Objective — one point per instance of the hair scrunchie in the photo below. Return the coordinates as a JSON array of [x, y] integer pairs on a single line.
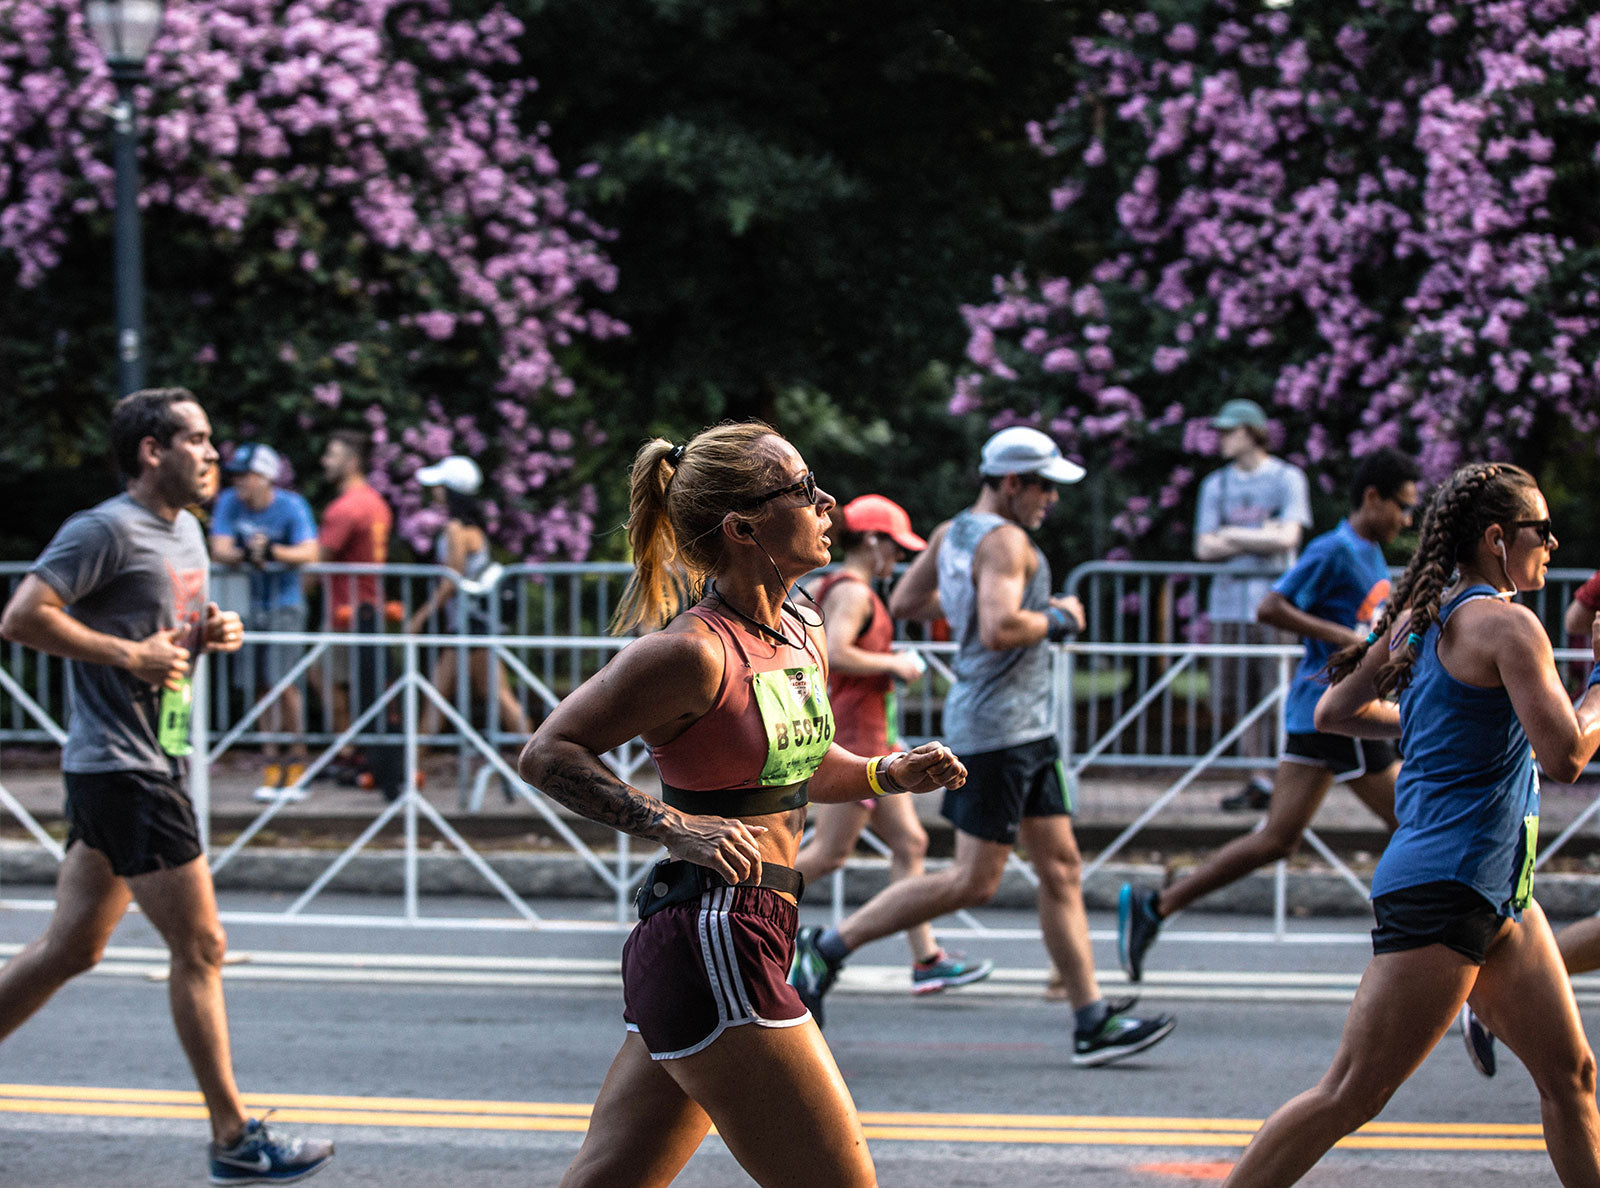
[[1414, 639], [1372, 638], [675, 455]]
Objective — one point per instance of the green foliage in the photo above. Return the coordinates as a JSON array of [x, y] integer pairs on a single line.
[[804, 196]]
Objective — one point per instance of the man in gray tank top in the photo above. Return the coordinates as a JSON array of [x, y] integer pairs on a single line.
[[121, 593], [982, 573]]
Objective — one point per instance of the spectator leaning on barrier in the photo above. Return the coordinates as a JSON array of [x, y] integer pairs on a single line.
[[271, 530], [463, 545], [1252, 513]]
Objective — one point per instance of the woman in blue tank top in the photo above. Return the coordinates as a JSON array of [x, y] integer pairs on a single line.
[[1478, 697]]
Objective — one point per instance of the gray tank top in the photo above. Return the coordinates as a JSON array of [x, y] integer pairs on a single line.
[[1000, 699]]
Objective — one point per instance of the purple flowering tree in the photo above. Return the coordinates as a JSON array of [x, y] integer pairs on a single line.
[[351, 217], [1375, 217]]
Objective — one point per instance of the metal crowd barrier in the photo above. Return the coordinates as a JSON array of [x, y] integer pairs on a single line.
[[559, 613]]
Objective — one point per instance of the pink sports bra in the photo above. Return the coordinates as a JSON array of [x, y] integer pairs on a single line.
[[754, 750]]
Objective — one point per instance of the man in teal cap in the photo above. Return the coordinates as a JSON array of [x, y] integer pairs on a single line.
[[1252, 515]]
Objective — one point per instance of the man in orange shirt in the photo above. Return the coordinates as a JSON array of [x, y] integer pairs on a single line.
[[355, 531]]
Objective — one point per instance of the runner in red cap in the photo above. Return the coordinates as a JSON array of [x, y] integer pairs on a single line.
[[863, 670]]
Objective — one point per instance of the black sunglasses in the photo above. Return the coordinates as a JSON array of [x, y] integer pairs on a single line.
[[807, 484], [1542, 527], [1406, 509]]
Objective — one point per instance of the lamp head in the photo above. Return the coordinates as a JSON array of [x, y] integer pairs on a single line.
[[124, 29]]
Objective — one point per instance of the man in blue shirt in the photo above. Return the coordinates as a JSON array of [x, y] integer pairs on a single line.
[[1330, 598], [258, 524]]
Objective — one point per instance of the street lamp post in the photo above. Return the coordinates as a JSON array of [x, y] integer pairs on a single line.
[[124, 29]]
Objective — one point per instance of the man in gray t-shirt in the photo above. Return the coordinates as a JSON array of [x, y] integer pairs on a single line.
[[1252, 513], [1251, 517], [120, 593], [982, 573]]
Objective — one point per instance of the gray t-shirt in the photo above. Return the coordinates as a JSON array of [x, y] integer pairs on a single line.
[[123, 570], [1000, 699], [1275, 490]]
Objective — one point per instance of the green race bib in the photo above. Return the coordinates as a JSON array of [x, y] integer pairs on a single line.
[[798, 720], [1530, 843]]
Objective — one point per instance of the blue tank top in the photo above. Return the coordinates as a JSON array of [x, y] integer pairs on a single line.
[[1467, 798]]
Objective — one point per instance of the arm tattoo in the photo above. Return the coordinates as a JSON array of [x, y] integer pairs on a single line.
[[590, 790]]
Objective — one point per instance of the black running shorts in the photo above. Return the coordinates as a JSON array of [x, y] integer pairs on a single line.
[[1005, 786], [140, 821], [1442, 913], [1347, 758]]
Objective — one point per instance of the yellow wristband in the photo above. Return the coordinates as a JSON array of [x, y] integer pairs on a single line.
[[872, 775]]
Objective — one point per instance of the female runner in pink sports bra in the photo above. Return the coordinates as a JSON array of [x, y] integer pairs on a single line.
[[731, 697]]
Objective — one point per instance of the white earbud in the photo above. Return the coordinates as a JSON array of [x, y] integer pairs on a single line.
[[1505, 565]]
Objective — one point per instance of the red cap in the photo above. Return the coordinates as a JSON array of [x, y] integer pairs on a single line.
[[875, 513]]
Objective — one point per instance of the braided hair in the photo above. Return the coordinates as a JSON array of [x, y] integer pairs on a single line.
[[1473, 499]]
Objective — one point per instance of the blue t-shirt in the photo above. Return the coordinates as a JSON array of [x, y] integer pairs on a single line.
[[1467, 798], [1343, 578], [287, 520]]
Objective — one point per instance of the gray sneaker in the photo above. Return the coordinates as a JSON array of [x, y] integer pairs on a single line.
[[260, 1157]]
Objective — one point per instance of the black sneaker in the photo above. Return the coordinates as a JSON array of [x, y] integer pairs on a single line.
[[1137, 926], [1252, 798], [259, 1157], [1119, 1037], [810, 973], [1479, 1041]]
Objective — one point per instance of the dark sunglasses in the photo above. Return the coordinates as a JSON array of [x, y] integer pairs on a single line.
[[1542, 527], [807, 484], [1406, 509]]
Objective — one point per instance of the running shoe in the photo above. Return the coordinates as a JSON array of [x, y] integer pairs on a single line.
[[811, 974], [1138, 924], [260, 1157], [1479, 1041], [1119, 1037], [1253, 797], [947, 970]]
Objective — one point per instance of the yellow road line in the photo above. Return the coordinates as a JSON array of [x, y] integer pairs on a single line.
[[568, 1117]]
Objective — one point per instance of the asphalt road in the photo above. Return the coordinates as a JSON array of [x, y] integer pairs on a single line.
[[470, 1056]]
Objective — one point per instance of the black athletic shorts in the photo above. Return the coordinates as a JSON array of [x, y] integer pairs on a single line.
[[140, 821], [1005, 786], [1347, 758], [1442, 913]]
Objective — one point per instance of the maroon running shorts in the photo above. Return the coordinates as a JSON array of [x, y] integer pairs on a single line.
[[693, 970]]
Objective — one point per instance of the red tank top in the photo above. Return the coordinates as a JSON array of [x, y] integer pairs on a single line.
[[860, 703], [760, 733]]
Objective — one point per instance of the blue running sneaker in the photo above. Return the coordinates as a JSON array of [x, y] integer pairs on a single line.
[[259, 1157], [946, 970], [1137, 927], [1119, 1037], [1479, 1041], [810, 973]]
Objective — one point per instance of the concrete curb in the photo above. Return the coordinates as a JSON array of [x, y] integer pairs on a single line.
[[566, 876]]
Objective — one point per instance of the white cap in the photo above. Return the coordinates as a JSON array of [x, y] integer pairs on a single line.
[[1020, 450], [454, 473], [255, 457]]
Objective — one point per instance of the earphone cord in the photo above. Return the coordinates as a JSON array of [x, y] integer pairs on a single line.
[[1505, 568], [754, 622]]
